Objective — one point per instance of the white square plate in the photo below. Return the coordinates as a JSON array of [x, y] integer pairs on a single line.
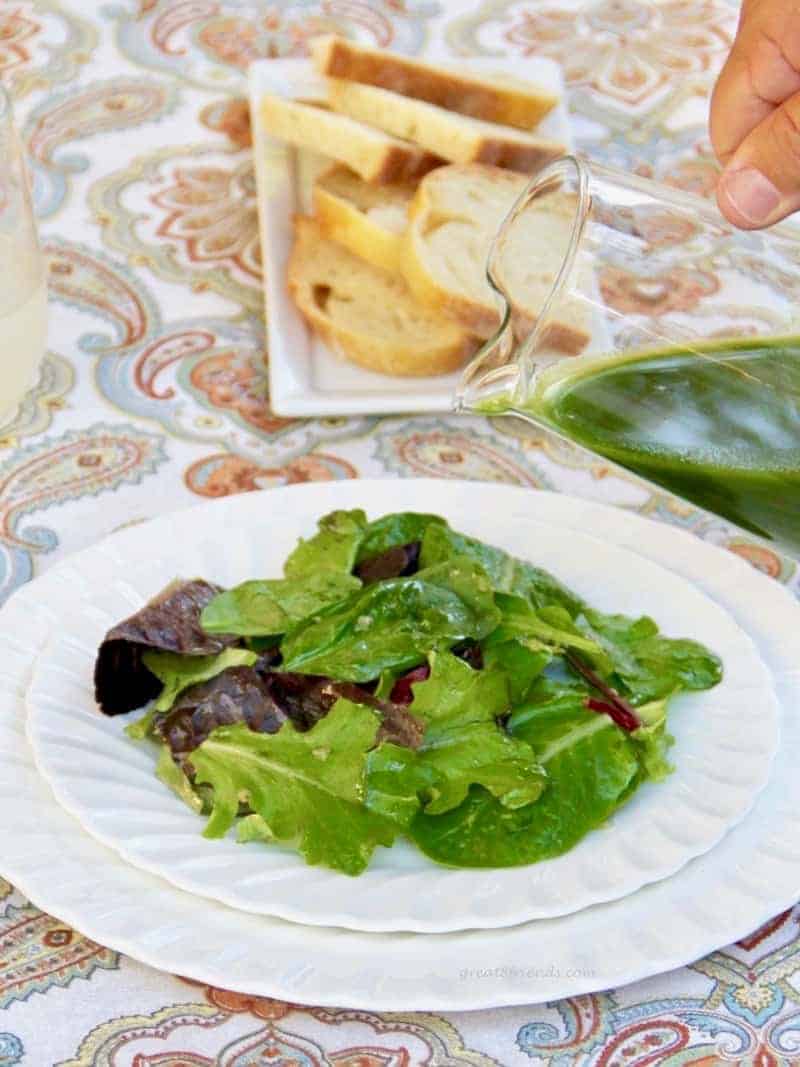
[[306, 377]]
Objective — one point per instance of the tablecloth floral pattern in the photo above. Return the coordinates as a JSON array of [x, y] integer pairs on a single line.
[[153, 395]]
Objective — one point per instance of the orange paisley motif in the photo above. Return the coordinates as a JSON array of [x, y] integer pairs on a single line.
[[681, 289], [236, 384], [224, 474]]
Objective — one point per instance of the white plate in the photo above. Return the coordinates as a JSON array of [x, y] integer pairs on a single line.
[[722, 752], [305, 377], [750, 876]]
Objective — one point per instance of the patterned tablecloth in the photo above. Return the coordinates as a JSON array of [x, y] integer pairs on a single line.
[[152, 397]]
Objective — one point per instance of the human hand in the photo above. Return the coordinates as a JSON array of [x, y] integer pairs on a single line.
[[755, 116]]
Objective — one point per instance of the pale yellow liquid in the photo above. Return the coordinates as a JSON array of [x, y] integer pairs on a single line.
[[23, 324]]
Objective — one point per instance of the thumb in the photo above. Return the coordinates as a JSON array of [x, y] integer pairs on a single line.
[[761, 182]]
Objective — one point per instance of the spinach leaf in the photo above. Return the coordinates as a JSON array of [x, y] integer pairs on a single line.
[[333, 548], [391, 531], [178, 672], [645, 664], [591, 768], [506, 573], [308, 788], [393, 625], [270, 607], [546, 629]]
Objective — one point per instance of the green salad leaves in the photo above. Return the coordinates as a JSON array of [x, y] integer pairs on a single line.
[[405, 679]]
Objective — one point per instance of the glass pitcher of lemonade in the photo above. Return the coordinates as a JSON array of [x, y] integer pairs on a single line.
[[687, 333], [23, 297]]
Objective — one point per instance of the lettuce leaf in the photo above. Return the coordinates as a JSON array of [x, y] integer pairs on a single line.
[[646, 665], [653, 741], [168, 772], [333, 549], [520, 664], [178, 672], [393, 625], [506, 573], [270, 607], [308, 788], [463, 744]]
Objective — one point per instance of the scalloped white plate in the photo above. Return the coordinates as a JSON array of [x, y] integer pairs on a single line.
[[753, 874], [722, 754]]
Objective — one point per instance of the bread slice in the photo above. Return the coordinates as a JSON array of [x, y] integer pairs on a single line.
[[369, 220], [455, 215], [368, 315], [372, 154], [495, 99], [442, 132]]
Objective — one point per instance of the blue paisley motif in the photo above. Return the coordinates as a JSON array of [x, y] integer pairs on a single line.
[[786, 1037], [11, 1050], [715, 1025]]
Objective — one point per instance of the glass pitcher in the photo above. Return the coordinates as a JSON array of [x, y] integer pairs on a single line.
[[669, 342]]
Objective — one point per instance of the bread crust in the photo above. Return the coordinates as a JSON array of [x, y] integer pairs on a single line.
[[477, 97], [481, 317], [373, 155]]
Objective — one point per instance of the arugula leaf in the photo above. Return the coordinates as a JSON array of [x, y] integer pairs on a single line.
[[269, 608], [168, 771], [647, 665], [333, 548], [591, 768], [463, 744], [393, 625], [307, 787], [178, 672], [391, 531], [506, 573]]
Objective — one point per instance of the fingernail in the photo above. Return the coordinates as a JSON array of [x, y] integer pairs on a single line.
[[751, 193]]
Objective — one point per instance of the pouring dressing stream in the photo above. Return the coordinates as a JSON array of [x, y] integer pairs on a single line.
[[691, 376]]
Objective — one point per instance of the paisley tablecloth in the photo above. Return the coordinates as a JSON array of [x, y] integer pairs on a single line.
[[153, 396]]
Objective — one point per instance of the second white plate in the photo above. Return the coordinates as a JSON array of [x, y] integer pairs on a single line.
[[752, 875], [722, 753]]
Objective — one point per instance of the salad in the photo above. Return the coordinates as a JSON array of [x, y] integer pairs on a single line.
[[400, 680]]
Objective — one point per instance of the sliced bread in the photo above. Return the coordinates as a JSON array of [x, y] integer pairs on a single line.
[[372, 154], [368, 315], [444, 133], [495, 99], [369, 220], [455, 215]]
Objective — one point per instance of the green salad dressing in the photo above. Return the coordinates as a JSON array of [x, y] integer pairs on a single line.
[[719, 426]]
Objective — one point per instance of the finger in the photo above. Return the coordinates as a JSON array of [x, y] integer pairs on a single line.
[[762, 70], [761, 183]]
